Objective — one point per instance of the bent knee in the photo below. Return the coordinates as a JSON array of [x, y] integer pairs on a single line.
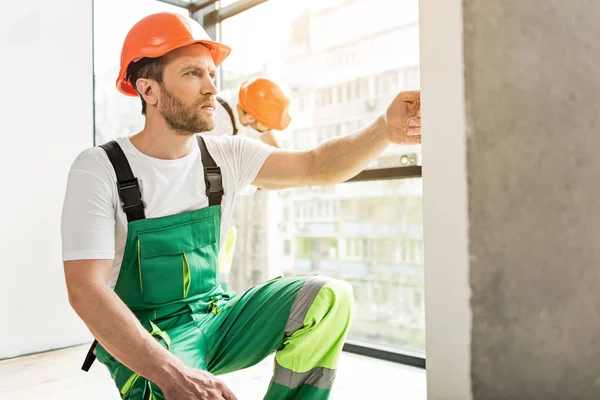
[[338, 294]]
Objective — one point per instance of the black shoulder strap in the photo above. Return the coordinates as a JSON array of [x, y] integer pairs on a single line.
[[127, 184], [131, 197], [212, 175], [230, 112]]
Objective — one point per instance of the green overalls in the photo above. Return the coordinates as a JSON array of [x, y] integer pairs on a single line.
[[169, 279]]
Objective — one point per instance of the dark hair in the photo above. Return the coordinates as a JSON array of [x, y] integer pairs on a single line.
[[147, 68]]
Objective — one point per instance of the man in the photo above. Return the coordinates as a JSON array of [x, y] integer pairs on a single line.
[[143, 218], [256, 110]]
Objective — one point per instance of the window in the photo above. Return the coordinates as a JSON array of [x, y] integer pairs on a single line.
[[382, 87], [340, 94], [367, 233], [319, 98], [327, 96], [346, 57], [300, 34], [381, 253], [329, 61], [358, 88], [287, 247], [301, 103], [417, 300], [349, 91], [348, 126], [411, 78], [338, 129], [287, 213], [392, 81]]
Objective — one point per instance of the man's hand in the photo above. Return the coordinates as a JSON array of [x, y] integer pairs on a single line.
[[195, 384], [122, 335], [403, 118]]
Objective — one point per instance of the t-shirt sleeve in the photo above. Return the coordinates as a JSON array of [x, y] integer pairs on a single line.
[[245, 156], [88, 217]]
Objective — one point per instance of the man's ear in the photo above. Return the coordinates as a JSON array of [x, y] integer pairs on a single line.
[[148, 89], [251, 119]]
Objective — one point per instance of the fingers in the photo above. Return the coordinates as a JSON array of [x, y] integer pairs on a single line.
[[415, 121], [413, 131], [414, 126], [229, 396], [225, 391], [409, 95]]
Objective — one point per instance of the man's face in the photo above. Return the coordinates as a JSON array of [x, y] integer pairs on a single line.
[[248, 120], [187, 94]]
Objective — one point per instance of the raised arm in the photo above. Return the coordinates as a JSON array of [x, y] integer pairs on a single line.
[[341, 158]]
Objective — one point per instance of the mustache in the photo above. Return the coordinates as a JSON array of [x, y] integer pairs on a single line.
[[206, 102]]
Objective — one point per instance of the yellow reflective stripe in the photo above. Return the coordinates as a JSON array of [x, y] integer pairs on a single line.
[[139, 265], [156, 331], [129, 383], [152, 395], [187, 276], [330, 311], [319, 377], [228, 250]]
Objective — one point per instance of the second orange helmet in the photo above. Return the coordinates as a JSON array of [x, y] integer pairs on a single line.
[[266, 102]]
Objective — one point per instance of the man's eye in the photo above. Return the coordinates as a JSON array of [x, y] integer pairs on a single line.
[[192, 73]]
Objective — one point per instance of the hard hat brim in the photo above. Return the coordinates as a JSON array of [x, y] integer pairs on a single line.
[[218, 51]]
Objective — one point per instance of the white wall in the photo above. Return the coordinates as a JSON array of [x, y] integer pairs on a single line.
[[46, 116], [447, 310]]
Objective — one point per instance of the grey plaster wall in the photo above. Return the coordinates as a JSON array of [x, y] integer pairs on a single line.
[[532, 88]]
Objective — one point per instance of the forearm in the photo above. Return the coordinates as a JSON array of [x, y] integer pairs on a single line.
[[341, 158], [121, 334]]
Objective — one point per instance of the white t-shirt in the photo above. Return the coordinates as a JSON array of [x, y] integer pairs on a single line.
[[94, 225], [223, 124]]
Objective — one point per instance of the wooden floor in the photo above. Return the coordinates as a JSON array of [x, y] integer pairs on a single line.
[[56, 375]]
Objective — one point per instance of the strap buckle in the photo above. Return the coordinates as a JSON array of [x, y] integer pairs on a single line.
[[130, 194], [213, 180]]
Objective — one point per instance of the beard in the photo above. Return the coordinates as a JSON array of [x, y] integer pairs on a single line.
[[183, 119]]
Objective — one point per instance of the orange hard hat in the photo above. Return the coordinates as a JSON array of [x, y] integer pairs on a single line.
[[266, 102], [156, 35]]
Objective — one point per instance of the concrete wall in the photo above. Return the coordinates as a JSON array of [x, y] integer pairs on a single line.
[[532, 85], [46, 110], [447, 311], [531, 98]]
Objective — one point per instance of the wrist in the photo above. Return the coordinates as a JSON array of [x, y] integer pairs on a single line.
[[381, 128], [169, 373]]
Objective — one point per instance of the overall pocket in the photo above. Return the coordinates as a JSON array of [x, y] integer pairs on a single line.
[[178, 261]]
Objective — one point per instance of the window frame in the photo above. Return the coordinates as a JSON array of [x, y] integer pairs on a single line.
[[210, 15]]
